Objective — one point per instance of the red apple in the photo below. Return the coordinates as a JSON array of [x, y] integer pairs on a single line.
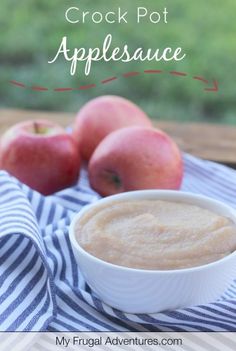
[[135, 158], [103, 115], [40, 154]]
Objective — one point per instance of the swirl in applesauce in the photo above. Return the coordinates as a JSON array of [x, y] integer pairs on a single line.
[[155, 234]]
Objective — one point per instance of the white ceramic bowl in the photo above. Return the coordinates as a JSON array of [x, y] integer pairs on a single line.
[[149, 291]]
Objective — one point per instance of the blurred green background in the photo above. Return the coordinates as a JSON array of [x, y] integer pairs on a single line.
[[31, 31]]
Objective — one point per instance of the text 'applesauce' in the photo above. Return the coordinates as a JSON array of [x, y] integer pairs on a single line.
[[155, 234]]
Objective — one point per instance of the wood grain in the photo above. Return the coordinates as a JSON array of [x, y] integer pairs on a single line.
[[209, 141]]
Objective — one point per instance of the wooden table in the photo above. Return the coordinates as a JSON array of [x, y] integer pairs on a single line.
[[209, 141]]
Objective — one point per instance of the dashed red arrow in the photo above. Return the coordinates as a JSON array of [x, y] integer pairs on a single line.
[[214, 88]]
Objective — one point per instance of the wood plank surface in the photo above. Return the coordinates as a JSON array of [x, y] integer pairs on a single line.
[[209, 141]]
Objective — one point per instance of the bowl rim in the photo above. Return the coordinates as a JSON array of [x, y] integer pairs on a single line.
[[176, 195]]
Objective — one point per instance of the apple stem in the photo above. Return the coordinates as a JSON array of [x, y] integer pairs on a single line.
[[36, 128], [115, 179]]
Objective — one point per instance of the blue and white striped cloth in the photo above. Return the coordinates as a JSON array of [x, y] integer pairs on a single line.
[[41, 288]]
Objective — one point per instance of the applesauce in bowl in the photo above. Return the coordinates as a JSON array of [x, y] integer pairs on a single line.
[[156, 234], [154, 250]]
